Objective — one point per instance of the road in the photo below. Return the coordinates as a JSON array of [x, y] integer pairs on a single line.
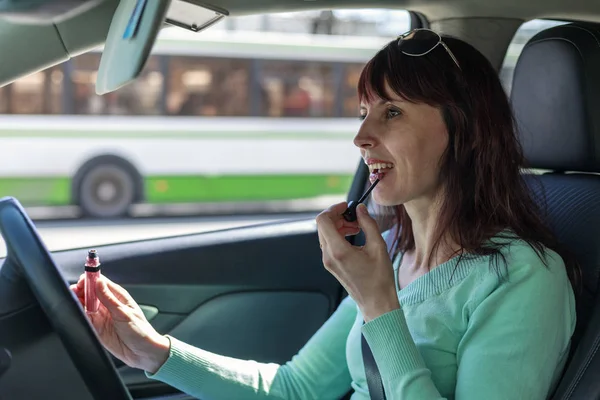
[[68, 234]]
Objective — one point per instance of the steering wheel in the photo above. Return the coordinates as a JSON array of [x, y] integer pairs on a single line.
[[27, 252]]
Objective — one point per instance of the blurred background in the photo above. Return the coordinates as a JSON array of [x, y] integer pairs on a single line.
[[250, 121]]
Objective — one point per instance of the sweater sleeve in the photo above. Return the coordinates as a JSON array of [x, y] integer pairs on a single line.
[[516, 340], [318, 371]]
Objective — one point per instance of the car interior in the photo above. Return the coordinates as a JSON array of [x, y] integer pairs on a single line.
[[260, 292]]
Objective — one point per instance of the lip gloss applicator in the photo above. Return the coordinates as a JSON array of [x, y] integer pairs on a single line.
[[350, 213], [92, 272]]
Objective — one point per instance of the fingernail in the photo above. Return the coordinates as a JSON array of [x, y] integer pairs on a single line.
[[362, 208]]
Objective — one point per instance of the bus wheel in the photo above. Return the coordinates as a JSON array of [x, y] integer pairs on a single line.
[[106, 191]]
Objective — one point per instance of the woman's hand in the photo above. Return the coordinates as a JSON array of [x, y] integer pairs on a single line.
[[122, 327], [365, 272]]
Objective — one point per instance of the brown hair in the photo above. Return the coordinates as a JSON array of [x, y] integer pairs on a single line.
[[485, 193]]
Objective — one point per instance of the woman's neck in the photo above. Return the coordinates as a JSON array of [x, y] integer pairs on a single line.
[[425, 217]]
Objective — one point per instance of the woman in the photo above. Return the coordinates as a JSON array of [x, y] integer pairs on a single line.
[[477, 302]]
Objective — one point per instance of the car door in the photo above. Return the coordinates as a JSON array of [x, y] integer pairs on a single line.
[[257, 292]]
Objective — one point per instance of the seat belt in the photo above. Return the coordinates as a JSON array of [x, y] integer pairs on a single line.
[[374, 382]]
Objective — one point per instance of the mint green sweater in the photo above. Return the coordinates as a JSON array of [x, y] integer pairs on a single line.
[[462, 335]]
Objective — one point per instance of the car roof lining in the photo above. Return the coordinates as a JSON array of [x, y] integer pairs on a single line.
[[28, 48]]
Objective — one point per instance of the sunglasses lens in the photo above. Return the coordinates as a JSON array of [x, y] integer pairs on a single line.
[[419, 42]]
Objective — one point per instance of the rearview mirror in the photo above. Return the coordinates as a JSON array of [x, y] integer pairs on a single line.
[[133, 30]]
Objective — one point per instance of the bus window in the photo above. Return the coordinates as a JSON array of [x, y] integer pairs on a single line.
[[349, 93], [141, 97], [38, 93], [298, 88], [208, 86]]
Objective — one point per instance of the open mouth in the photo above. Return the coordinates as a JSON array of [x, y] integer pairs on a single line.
[[378, 170]]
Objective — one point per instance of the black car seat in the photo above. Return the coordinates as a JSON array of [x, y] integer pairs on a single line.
[[556, 101]]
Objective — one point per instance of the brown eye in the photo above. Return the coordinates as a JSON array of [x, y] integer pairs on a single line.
[[392, 112]]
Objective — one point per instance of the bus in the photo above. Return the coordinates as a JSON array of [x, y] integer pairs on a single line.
[[219, 117]]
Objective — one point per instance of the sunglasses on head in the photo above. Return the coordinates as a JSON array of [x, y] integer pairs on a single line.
[[419, 42]]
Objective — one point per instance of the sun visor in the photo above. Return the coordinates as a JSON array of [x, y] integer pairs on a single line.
[[134, 29]]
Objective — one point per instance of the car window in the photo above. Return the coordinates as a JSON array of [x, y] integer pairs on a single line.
[[254, 116]]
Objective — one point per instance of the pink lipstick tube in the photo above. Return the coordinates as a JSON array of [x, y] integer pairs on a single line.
[[92, 273]]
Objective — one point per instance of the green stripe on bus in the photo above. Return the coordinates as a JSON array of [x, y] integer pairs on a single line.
[[37, 191], [171, 189], [56, 191]]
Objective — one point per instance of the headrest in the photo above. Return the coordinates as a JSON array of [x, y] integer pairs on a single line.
[[556, 98]]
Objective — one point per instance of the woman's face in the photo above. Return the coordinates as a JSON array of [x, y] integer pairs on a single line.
[[402, 144]]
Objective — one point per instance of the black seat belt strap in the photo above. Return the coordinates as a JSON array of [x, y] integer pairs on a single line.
[[374, 382]]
